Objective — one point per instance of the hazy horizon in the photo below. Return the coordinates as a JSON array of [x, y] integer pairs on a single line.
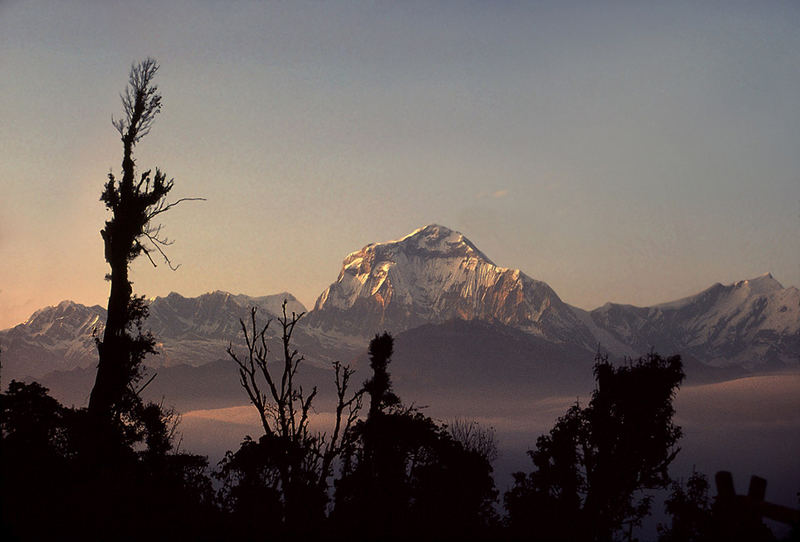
[[624, 153]]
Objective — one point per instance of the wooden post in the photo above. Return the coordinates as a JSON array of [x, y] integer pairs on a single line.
[[734, 508], [724, 480], [757, 490]]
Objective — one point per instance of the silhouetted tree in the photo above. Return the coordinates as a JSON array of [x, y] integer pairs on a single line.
[[597, 459], [407, 477], [379, 386], [134, 204], [34, 474], [288, 469], [546, 504], [51, 488], [689, 509], [108, 472], [474, 437]]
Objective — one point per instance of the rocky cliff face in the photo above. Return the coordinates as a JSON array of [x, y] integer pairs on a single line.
[[434, 275]]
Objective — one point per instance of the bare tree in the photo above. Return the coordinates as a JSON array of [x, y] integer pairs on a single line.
[[474, 437], [130, 232], [284, 407]]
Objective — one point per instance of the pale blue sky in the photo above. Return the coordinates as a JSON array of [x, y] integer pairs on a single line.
[[620, 151]]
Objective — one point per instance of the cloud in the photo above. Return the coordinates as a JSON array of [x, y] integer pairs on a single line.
[[497, 194]]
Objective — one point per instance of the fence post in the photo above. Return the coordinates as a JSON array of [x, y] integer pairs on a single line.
[[740, 517]]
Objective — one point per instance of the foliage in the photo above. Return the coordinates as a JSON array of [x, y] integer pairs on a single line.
[[130, 232], [690, 511], [51, 488], [591, 469], [379, 386], [407, 476]]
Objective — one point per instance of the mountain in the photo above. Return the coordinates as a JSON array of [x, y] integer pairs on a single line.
[[52, 339], [488, 358], [749, 323], [196, 330], [435, 285], [190, 331], [434, 275]]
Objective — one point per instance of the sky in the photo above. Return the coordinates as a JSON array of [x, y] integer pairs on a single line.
[[633, 152]]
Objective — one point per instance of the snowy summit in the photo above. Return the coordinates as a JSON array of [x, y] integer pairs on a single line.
[[432, 275]]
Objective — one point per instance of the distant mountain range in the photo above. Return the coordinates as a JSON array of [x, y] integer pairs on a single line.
[[749, 323], [189, 331], [435, 275], [435, 287]]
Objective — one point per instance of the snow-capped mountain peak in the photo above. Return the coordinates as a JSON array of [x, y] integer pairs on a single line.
[[763, 284], [432, 275], [440, 240], [190, 330], [748, 322], [65, 317]]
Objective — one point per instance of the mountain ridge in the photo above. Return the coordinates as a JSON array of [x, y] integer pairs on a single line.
[[188, 330], [431, 276], [744, 323]]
